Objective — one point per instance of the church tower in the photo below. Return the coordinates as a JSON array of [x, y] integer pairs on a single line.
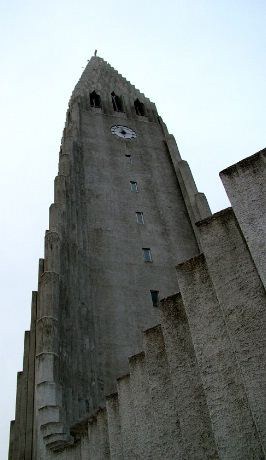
[[124, 213]]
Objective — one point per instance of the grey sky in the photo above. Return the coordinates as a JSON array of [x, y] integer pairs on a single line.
[[202, 63]]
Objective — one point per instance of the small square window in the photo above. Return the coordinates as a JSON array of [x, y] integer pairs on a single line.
[[147, 254], [140, 218], [133, 186], [155, 298]]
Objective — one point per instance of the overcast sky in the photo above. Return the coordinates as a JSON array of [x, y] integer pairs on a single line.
[[201, 62]]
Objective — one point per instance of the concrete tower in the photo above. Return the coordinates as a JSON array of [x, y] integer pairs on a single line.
[[123, 216]]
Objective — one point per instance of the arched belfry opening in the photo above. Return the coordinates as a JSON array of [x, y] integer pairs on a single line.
[[95, 100], [139, 107], [117, 102]]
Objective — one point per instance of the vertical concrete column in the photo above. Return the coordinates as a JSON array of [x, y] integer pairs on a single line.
[[52, 246], [196, 202], [245, 185], [16, 430], [31, 380], [23, 406], [93, 438], [60, 180], [170, 443], [193, 412], [103, 445], [147, 441], [233, 426], [127, 417], [114, 427], [242, 298], [84, 447], [60, 187], [11, 440], [47, 342]]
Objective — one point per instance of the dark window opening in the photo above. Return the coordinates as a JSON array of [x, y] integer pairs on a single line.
[[147, 254], [139, 107], [155, 298], [139, 217], [117, 103], [95, 100], [133, 186]]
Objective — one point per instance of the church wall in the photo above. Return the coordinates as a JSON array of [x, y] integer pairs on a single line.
[[192, 387], [187, 395]]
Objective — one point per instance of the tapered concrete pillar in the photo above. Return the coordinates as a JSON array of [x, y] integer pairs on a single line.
[[193, 412], [170, 444], [23, 405], [84, 447], [16, 431], [11, 440], [103, 444], [52, 252], [145, 423], [245, 185], [127, 417], [114, 427], [93, 437], [234, 429], [31, 380], [242, 298]]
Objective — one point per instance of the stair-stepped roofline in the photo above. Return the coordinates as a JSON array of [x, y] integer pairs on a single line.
[[100, 62]]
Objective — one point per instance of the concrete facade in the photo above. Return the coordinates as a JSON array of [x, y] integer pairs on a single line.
[[194, 384]]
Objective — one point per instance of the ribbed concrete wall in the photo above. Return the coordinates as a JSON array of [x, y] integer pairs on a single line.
[[197, 390]]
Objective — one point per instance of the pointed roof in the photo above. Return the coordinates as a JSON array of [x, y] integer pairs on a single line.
[[99, 75]]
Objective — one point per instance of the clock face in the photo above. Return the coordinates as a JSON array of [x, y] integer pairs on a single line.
[[123, 131]]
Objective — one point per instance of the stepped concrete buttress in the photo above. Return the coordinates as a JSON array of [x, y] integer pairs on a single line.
[[109, 371]]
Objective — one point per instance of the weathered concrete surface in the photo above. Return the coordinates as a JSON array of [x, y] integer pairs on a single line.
[[114, 427], [188, 392], [199, 384], [145, 420], [234, 430], [128, 419], [242, 298], [167, 428], [245, 185], [11, 440]]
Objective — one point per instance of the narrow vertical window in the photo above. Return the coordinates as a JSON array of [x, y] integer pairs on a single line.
[[139, 107], [117, 102], [147, 254], [140, 218], [128, 156], [155, 298], [95, 100], [133, 186]]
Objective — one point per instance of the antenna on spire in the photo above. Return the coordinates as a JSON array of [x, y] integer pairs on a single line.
[[95, 53]]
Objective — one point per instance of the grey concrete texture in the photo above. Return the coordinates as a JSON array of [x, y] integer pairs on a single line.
[[194, 387], [189, 395], [245, 184], [146, 431], [234, 429], [170, 443], [242, 299], [114, 427], [128, 418]]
